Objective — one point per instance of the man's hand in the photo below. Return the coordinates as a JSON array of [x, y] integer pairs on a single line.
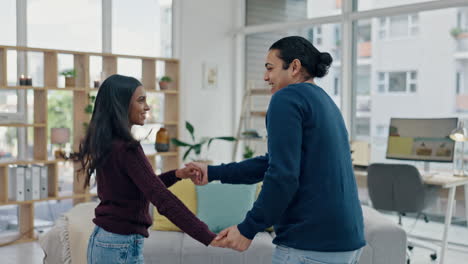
[[218, 243], [203, 177], [232, 238], [191, 172]]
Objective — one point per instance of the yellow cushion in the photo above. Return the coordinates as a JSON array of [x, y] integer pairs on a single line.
[[185, 191]]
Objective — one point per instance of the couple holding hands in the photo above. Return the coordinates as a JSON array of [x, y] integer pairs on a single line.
[[309, 192]]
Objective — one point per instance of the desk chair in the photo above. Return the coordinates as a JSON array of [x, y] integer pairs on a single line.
[[400, 188]]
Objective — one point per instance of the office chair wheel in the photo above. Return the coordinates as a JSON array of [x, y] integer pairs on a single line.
[[410, 248], [434, 256]]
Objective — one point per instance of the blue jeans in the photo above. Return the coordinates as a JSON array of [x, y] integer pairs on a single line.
[[287, 255], [106, 247]]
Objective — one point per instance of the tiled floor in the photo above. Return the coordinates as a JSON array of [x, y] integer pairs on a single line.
[[32, 253]]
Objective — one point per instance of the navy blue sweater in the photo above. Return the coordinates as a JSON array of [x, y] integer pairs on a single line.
[[309, 191]]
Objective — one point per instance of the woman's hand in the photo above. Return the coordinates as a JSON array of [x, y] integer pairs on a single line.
[[191, 172]]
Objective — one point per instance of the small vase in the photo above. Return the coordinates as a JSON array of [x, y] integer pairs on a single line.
[[163, 85], [69, 81], [162, 140]]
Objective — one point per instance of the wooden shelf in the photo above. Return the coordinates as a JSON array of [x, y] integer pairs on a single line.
[[163, 154], [20, 48], [68, 88], [28, 162], [252, 139], [21, 88], [75, 196], [258, 113], [44, 88], [163, 91], [80, 100], [260, 92], [23, 125], [168, 123]]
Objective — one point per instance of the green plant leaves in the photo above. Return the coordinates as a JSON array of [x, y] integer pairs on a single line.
[[180, 143], [190, 129]]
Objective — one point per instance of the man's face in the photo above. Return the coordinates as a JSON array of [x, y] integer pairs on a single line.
[[275, 75]]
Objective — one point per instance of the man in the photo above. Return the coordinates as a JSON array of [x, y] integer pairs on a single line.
[[309, 191]]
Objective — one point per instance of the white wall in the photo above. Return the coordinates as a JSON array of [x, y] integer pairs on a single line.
[[206, 35]]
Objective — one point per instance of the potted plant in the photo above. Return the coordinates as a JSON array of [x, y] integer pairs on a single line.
[[70, 75], [248, 152], [197, 146], [89, 108], [455, 32], [164, 82]]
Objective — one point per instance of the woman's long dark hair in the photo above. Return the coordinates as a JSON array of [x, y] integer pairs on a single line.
[[108, 122]]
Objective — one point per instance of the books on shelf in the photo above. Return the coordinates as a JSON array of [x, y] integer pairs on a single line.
[[16, 183], [27, 182]]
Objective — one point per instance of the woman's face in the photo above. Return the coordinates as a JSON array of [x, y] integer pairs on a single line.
[[138, 107]]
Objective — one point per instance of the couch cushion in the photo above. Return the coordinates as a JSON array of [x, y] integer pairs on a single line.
[[185, 191], [259, 252], [386, 241], [223, 205], [163, 247]]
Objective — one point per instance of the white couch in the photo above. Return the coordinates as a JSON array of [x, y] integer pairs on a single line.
[[386, 244]]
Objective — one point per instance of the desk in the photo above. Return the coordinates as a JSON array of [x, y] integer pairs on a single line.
[[450, 182]]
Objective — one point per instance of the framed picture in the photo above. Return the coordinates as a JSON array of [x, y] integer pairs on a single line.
[[210, 76]]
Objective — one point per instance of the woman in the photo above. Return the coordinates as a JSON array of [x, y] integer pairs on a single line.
[[125, 179]]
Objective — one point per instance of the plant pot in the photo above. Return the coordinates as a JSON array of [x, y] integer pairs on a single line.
[[69, 81], [164, 85]]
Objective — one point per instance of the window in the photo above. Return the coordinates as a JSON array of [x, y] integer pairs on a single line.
[[459, 81], [363, 126], [274, 11], [397, 82], [68, 25], [374, 4], [315, 35], [142, 29], [398, 26], [8, 17], [381, 130]]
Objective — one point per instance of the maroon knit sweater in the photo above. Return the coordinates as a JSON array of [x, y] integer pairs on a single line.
[[126, 184]]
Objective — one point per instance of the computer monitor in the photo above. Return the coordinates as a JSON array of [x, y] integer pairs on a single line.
[[420, 139]]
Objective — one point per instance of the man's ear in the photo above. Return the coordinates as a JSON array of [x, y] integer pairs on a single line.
[[296, 67]]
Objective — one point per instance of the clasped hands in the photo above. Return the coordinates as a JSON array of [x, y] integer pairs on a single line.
[[229, 237]]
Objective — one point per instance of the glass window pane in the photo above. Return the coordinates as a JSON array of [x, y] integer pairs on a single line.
[[8, 221], [8, 102], [46, 213], [363, 126], [398, 26], [397, 81], [142, 29], [8, 143], [68, 25], [375, 4], [8, 22], [60, 115], [129, 67], [406, 66], [274, 11]]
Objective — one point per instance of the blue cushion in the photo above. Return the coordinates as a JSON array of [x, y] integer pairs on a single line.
[[224, 205]]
